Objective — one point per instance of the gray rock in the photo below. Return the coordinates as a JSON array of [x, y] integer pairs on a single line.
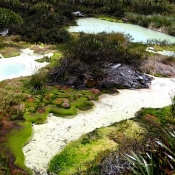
[[125, 76]]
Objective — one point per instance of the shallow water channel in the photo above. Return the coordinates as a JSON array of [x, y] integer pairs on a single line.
[[138, 33]]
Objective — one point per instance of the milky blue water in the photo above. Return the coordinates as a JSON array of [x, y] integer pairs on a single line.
[[138, 33], [22, 65], [13, 68]]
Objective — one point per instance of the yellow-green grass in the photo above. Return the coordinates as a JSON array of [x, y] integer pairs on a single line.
[[78, 153], [108, 18], [168, 47], [10, 52], [16, 139]]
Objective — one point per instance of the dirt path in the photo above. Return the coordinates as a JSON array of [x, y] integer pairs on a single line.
[[51, 137]]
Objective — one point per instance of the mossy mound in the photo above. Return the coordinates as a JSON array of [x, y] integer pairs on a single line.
[[48, 98], [82, 103], [57, 101], [38, 117], [61, 101], [58, 111], [78, 153]]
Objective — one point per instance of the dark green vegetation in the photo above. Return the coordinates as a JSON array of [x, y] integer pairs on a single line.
[[143, 145], [8, 18], [44, 21], [87, 56]]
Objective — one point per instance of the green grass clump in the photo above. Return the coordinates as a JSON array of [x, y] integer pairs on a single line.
[[17, 138], [163, 114], [80, 152]]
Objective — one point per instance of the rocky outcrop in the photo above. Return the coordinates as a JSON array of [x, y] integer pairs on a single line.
[[115, 76], [124, 76]]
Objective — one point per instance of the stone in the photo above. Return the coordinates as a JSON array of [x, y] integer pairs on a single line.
[[65, 100], [65, 105], [125, 76], [95, 91], [90, 83]]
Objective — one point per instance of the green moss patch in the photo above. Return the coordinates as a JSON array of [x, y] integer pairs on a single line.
[[57, 101], [82, 103], [48, 98], [90, 149], [16, 140], [78, 153], [62, 111], [38, 117]]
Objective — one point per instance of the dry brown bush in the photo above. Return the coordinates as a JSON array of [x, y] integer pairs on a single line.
[[160, 65]]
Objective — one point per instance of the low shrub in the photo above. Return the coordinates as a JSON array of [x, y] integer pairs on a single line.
[[90, 55], [58, 36], [36, 82]]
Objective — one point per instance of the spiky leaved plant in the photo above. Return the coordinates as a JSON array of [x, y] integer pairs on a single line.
[[159, 158]]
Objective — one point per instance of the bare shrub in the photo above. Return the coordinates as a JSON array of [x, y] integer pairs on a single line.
[[159, 64]]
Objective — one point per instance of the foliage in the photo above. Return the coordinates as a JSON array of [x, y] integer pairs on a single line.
[[158, 158], [100, 47], [91, 54], [59, 36], [173, 106], [3, 168], [36, 81], [8, 99], [154, 21], [9, 18]]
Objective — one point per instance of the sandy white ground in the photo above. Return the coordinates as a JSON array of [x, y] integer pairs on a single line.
[[22, 65], [51, 137]]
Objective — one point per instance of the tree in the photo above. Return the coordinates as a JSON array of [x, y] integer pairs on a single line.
[[9, 18]]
